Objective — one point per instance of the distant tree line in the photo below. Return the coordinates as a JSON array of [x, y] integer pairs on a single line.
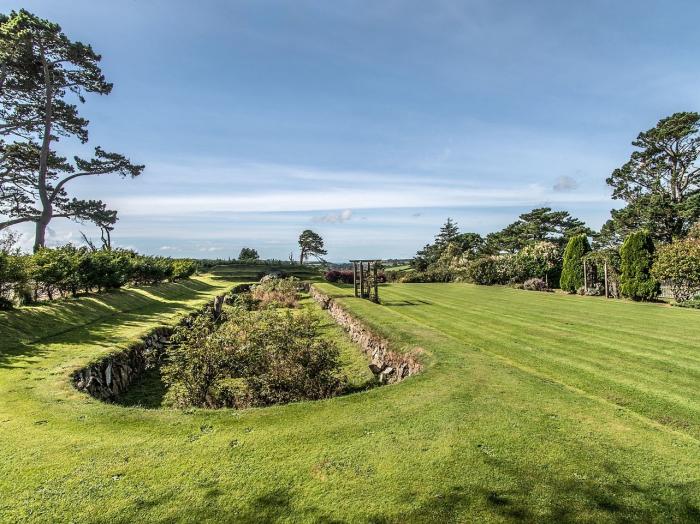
[[654, 238]]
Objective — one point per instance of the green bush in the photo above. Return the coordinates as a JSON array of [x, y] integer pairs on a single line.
[[572, 266], [183, 268], [429, 275], [679, 264], [13, 276], [251, 358], [491, 270], [637, 257], [276, 292]]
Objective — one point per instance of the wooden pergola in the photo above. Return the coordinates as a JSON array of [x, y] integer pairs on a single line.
[[364, 278]]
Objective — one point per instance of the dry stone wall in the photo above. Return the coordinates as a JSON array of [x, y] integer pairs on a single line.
[[110, 377], [388, 366]]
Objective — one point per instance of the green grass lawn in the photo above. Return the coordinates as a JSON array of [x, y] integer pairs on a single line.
[[533, 406], [252, 272]]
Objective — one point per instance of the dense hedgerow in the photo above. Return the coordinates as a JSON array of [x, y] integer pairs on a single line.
[[69, 270], [637, 258], [572, 267], [251, 357]]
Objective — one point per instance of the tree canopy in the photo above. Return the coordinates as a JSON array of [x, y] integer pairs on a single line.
[[539, 225], [42, 72], [310, 244], [249, 254], [660, 183]]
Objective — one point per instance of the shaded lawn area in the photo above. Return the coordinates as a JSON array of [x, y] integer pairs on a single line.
[[533, 407]]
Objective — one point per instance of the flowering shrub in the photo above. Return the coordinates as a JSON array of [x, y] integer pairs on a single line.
[[535, 284], [679, 264], [344, 276], [496, 269]]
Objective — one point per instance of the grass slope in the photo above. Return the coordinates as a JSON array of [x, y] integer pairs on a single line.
[[537, 407], [252, 272]]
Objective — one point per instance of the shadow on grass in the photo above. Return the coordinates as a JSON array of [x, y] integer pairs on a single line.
[[617, 501], [402, 303], [146, 392], [88, 319]]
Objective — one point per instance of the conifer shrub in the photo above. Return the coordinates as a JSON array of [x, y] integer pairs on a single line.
[[637, 258], [572, 269]]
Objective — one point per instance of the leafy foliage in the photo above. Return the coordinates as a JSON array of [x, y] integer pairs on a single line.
[[310, 243], [539, 225], [43, 72], [248, 254], [67, 270], [637, 257], [251, 358], [679, 264], [660, 182], [572, 268], [277, 292]]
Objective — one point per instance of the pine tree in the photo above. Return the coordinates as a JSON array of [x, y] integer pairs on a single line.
[[448, 233]]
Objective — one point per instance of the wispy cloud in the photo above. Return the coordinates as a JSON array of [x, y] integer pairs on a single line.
[[565, 183]]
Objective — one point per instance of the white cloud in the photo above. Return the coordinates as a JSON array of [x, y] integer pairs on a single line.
[[335, 218]]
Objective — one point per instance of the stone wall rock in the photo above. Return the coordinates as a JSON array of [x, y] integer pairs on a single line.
[[111, 376], [108, 378], [387, 365]]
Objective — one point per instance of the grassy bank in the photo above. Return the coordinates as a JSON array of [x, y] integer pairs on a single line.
[[239, 272], [540, 407]]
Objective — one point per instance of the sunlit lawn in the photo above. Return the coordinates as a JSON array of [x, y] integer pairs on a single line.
[[532, 406]]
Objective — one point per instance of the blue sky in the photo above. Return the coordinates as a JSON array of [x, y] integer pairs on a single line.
[[369, 122]]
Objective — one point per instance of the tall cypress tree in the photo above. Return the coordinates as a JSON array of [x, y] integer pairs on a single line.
[[572, 270], [637, 258]]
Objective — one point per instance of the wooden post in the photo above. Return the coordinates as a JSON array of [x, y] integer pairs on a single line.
[[362, 279], [585, 277], [605, 269], [354, 276], [376, 284]]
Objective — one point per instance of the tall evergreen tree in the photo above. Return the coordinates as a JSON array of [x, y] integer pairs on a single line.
[[41, 73], [572, 276], [661, 181], [637, 258], [448, 233], [310, 243]]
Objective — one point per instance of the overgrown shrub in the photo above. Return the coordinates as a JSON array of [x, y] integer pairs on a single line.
[[679, 264], [252, 358], [535, 284], [491, 270], [572, 266], [637, 257], [277, 292]]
